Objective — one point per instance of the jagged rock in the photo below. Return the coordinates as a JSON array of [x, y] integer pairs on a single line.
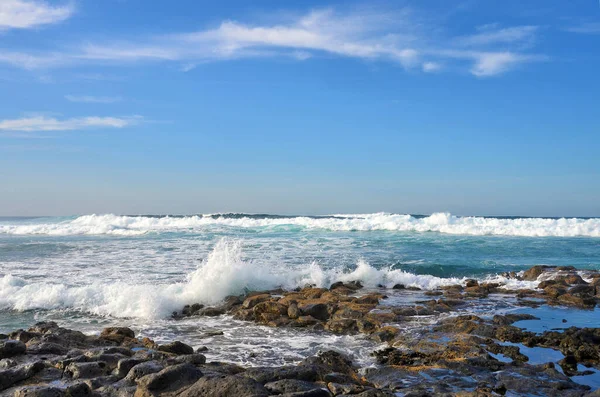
[[117, 334], [176, 347], [124, 366], [252, 301]]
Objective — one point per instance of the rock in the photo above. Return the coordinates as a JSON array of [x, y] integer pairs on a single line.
[[44, 327], [319, 311], [9, 377], [290, 386], [143, 369], [471, 283], [271, 374], [319, 392], [512, 318], [117, 334], [168, 380], [385, 334], [342, 326], [224, 386], [399, 286], [176, 347], [337, 388], [81, 370], [293, 311], [47, 348], [304, 321], [252, 301], [572, 279], [533, 273], [78, 390], [194, 359], [212, 311], [124, 366], [40, 391], [10, 348]]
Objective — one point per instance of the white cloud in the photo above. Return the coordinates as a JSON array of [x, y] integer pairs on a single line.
[[93, 99], [490, 34], [22, 14], [494, 63], [398, 36], [44, 123], [431, 67]]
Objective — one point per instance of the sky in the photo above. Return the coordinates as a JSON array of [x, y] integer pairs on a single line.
[[475, 107]]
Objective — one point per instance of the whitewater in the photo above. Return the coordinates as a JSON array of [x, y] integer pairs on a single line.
[[437, 222]]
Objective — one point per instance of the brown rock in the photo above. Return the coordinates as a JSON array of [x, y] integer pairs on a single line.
[[252, 301]]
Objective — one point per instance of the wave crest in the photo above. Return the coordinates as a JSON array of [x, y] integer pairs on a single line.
[[437, 222]]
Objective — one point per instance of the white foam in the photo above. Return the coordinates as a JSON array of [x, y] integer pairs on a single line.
[[437, 222], [223, 273]]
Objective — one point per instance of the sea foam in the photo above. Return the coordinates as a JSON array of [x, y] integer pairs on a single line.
[[222, 273], [437, 222]]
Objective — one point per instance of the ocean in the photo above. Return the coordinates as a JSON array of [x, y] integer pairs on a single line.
[[92, 271]]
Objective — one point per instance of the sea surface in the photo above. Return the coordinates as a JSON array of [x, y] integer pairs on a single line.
[[92, 271]]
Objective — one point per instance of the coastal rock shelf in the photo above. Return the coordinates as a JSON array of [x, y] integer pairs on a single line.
[[456, 352]]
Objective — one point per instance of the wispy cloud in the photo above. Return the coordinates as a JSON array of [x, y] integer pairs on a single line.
[[44, 123], [23, 14], [93, 99], [398, 36], [585, 28], [491, 34]]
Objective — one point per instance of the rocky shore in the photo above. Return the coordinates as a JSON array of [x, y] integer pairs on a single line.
[[458, 352]]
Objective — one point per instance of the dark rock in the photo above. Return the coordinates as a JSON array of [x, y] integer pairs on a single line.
[[9, 377], [290, 386], [176, 347], [319, 392], [124, 366], [47, 348], [212, 311], [226, 385], [143, 369], [337, 388], [318, 310], [79, 370], [78, 390], [399, 286], [40, 391], [271, 374], [168, 380], [44, 327], [293, 311], [11, 348], [342, 326], [194, 359]]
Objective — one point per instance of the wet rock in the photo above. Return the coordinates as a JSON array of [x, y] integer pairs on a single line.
[[372, 299], [304, 321], [337, 388], [342, 326], [226, 385], [533, 273], [320, 311], [572, 279], [385, 334], [44, 327], [512, 318], [10, 348], [211, 311], [319, 392], [176, 347], [168, 380], [252, 301], [398, 286], [471, 283], [47, 348], [194, 359]]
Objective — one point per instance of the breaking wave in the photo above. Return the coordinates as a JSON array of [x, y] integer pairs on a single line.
[[437, 222], [223, 273]]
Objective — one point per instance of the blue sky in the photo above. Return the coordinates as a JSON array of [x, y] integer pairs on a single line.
[[131, 106]]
